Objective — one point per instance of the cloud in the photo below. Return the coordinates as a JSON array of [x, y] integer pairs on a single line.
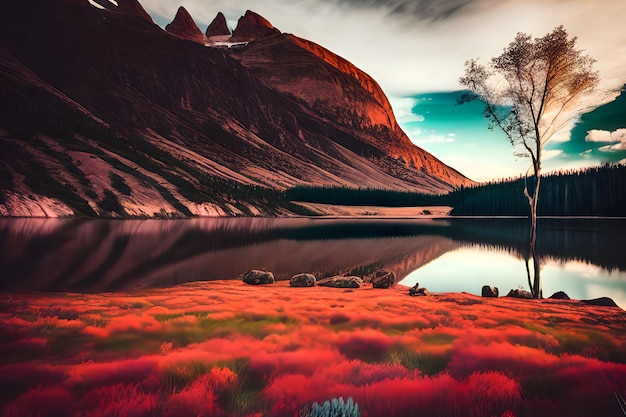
[[551, 153], [617, 147], [403, 110], [419, 9], [595, 135], [616, 138], [433, 138]]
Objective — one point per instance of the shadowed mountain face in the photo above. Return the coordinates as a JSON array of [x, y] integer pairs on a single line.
[[107, 114], [218, 27]]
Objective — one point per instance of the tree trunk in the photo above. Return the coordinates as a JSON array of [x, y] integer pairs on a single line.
[[535, 281]]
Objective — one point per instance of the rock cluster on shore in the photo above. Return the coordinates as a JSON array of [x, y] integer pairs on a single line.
[[379, 279], [489, 292], [416, 291], [387, 279], [256, 277]]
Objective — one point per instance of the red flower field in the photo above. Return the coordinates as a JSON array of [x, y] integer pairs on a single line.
[[224, 348]]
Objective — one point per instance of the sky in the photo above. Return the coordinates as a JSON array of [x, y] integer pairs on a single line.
[[416, 50]]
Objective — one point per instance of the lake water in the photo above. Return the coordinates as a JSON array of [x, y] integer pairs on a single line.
[[584, 257]]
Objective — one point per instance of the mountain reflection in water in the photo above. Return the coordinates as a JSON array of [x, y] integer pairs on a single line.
[[109, 255]]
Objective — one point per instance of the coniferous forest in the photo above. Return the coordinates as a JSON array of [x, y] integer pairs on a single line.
[[597, 191]]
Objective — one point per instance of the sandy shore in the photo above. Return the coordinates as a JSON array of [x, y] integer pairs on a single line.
[[378, 211]]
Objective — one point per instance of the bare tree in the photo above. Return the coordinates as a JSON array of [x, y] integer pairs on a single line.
[[531, 91]]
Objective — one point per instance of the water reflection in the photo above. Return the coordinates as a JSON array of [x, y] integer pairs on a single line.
[[469, 268], [453, 254]]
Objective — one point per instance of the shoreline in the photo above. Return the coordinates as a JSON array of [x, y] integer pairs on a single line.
[[398, 290]]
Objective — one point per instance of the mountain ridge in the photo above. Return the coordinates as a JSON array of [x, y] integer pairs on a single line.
[[152, 125]]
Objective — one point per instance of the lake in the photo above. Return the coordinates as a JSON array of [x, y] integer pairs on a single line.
[[583, 257]]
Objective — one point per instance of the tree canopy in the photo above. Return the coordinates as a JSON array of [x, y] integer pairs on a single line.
[[533, 89]]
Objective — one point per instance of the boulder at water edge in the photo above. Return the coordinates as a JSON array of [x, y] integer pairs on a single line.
[[559, 295], [526, 295], [256, 277], [601, 302], [422, 292], [341, 282], [302, 280], [383, 279], [487, 291]]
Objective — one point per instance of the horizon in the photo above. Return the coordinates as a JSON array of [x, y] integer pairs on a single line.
[[458, 136]]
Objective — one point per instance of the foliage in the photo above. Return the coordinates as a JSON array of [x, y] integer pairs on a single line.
[[363, 196], [530, 89], [119, 184], [597, 191], [334, 408]]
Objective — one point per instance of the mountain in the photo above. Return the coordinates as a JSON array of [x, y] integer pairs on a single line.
[[251, 26], [218, 27], [184, 27], [107, 114]]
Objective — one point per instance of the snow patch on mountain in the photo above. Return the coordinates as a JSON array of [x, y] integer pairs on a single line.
[[96, 5]]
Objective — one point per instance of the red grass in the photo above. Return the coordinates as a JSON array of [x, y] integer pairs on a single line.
[[230, 349]]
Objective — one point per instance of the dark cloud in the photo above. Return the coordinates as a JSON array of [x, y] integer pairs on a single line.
[[432, 10]]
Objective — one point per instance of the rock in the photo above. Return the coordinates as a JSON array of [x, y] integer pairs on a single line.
[[251, 26], [383, 279], [416, 291], [341, 282], [218, 26], [602, 302], [302, 280], [256, 277], [559, 295], [422, 292], [526, 295], [184, 27], [487, 291]]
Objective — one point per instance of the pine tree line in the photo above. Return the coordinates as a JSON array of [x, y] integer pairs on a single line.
[[597, 191], [363, 196]]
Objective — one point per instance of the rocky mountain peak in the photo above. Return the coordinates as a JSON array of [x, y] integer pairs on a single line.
[[252, 26], [184, 27], [218, 26], [132, 7]]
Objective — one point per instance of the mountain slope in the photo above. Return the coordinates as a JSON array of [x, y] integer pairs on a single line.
[[112, 116]]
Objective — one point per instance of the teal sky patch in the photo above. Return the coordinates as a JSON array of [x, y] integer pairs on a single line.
[[460, 136], [607, 140]]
